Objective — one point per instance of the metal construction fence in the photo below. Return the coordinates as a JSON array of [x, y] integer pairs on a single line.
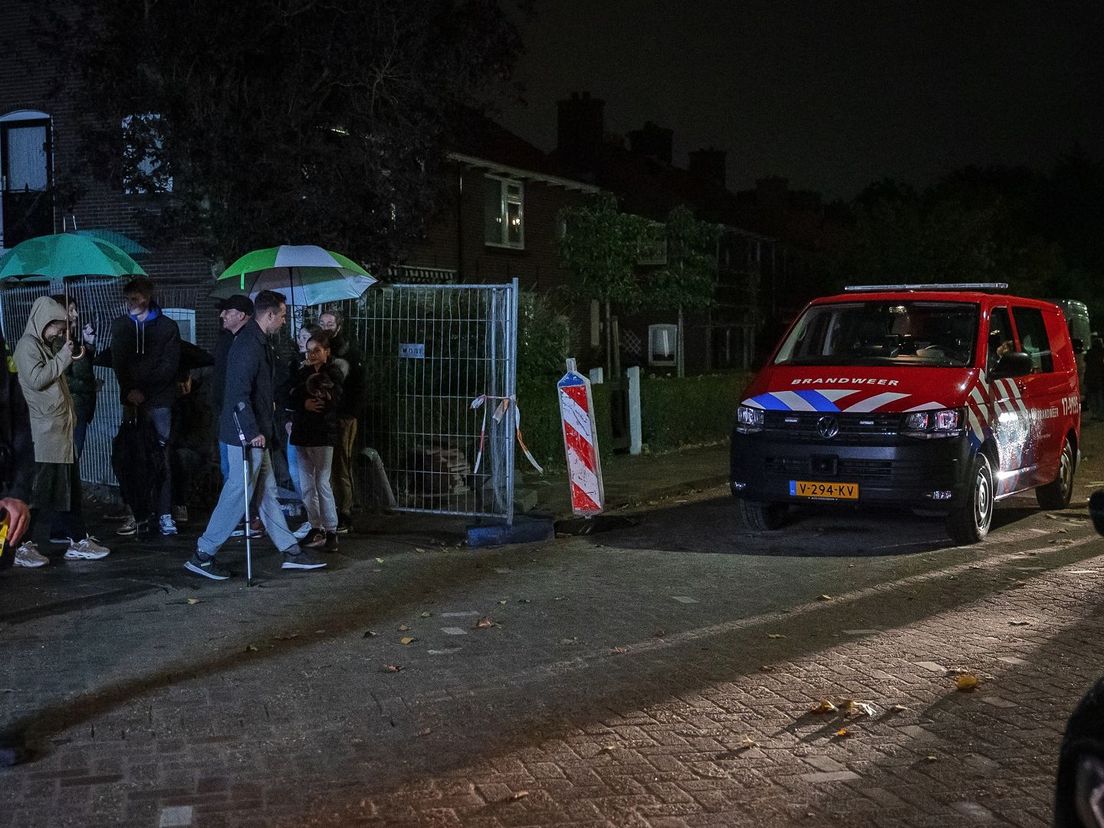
[[442, 368], [100, 302], [432, 353]]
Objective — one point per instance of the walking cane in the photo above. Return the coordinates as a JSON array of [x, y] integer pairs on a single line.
[[245, 480]]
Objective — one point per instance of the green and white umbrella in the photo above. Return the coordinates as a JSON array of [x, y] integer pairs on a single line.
[[305, 273]]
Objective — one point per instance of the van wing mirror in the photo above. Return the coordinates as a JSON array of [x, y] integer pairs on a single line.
[[1013, 364]]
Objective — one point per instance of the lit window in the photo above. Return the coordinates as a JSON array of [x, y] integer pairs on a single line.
[[503, 213], [144, 170]]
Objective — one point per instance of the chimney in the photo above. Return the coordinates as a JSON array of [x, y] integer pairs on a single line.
[[652, 140], [708, 164], [580, 126]]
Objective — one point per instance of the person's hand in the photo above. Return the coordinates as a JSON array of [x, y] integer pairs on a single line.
[[135, 397], [19, 514], [88, 334], [313, 405], [258, 441], [67, 348]]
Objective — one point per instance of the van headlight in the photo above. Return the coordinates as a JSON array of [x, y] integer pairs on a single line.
[[942, 422], [749, 419]]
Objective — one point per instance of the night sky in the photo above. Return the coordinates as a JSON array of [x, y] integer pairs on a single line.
[[832, 94]]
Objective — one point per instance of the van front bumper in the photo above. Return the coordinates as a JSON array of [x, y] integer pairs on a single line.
[[929, 474]]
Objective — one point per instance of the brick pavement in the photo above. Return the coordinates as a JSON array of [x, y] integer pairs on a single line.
[[622, 684]]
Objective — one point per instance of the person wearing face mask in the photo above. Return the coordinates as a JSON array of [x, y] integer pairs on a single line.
[[145, 353], [56, 488]]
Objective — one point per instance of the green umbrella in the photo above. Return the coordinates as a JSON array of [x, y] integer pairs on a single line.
[[125, 243], [65, 256]]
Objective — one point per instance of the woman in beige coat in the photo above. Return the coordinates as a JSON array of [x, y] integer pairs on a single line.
[[56, 488]]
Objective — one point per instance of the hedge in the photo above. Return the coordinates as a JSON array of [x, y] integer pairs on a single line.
[[674, 412]]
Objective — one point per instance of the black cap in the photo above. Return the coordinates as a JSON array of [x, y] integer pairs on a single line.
[[237, 302]]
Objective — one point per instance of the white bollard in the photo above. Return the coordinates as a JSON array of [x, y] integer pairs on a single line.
[[635, 439]]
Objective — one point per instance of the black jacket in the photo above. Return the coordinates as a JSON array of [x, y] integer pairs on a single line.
[[218, 375], [250, 388], [356, 383], [310, 428], [146, 356]]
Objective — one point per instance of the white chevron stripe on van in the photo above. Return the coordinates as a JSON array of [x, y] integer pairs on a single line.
[[793, 401], [877, 401], [928, 406]]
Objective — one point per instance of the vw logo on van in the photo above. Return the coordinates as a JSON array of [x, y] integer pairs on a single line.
[[828, 427]]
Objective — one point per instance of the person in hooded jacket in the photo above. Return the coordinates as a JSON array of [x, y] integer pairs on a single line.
[[145, 353], [56, 488]]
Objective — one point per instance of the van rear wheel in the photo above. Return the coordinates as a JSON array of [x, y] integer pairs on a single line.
[[969, 522], [761, 516], [1056, 494]]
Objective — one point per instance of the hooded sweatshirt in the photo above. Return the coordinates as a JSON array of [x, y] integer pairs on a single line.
[[42, 378], [146, 355]]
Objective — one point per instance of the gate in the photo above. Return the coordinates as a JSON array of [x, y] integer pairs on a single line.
[[432, 353]]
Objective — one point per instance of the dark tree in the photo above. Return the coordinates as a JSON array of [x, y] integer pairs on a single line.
[[286, 121]]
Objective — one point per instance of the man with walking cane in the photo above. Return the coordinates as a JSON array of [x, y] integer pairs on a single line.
[[247, 428]]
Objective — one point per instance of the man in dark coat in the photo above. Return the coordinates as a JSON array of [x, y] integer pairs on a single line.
[[352, 407], [247, 419], [145, 353], [234, 312]]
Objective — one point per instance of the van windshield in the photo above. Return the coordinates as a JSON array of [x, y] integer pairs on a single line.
[[898, 333]]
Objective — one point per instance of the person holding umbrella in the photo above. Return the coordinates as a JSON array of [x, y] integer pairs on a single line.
[[247, 428], [56, 487]]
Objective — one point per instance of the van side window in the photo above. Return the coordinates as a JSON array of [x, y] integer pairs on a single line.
[[1000, 336], [1033, 338]]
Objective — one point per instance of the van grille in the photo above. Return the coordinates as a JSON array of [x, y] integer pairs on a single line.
[[802, 425]]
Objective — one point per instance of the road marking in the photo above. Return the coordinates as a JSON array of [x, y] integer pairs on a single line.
[[464, 614], [178, 816], [453, 631]]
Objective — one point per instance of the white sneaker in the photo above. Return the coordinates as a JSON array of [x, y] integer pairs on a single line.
[[28, 555], [87, 549], [168, 527], [303, 530]]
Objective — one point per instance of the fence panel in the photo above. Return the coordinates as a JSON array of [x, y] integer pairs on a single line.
[[431, 352]]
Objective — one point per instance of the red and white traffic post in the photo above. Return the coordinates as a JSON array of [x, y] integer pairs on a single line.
[[584, 468]]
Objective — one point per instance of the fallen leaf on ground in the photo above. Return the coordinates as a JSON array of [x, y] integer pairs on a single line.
[[520, 795], [370, 634], [426, 614], [775, 635], [852, 709], [824, 597], [843, 733], [404, 627], [618, 651], [823, 706], [1019, 623], [407, 640], [966, 682], [418, 549], [391, 668], [193, 600], [898, 708], [483, 623], [502, 603], [747, 742], [251, 648], [379, 560], [930, 758]]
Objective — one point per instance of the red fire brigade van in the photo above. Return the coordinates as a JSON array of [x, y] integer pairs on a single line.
[[943, 398]]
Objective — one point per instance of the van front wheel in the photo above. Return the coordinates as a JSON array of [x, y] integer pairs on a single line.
[[1056, 494], [761, 516], [969, 522]]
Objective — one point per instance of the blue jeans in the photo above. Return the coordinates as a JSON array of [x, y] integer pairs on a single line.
[[224, 461], [231, 503], [161, 417]]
